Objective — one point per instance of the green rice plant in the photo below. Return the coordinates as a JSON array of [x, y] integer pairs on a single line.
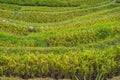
[[6, 13], [64, 37], [79, 43], [9, 7], [47, 9], [44, 17], [54, 2], [86, 63], [82, 37], [92, 19], [104, 15], [118, 1], [13, 28], [1, 71], [99, 77]]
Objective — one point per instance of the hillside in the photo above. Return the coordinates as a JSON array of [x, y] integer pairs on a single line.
[[60, 39]]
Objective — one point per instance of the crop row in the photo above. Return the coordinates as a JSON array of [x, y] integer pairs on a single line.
[[94, 18], [6, 13], [42, 17], [88, 63], [54, 2], [79, 21], [61, 50], [9, 7], [84, 22], [65, 38], [56, 17], [95, 21], [14, 7], [34, 8], [13, 28], [82, 37]]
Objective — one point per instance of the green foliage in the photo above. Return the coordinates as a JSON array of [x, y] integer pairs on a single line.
[[86, 63], [82, 37], [6, 13], [54, 2], [13, 28], [68, 42], [45, 17], [9, 7], [118, 1], [1, 71]]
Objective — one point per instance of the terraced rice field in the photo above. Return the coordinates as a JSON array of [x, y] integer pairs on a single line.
[[59, 39]]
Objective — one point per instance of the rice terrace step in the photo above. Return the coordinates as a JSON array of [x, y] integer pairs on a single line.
[[59, 39]]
